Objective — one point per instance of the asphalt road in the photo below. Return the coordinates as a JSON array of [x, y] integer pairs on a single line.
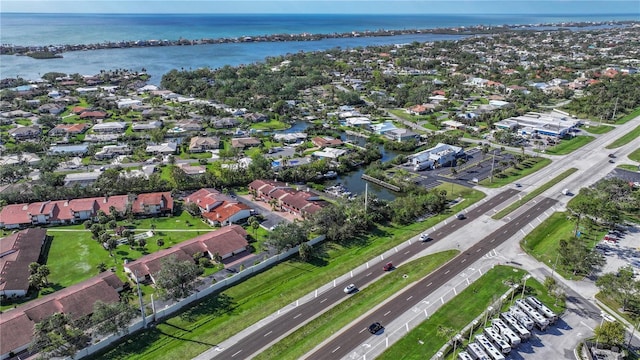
[[358, 333], [264, 336]]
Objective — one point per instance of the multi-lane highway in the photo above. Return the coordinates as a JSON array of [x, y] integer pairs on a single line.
[[266, 335], [357, 333]]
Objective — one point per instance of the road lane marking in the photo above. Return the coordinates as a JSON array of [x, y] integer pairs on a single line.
[[429, 284], [323, 300], [448, 271], [463, 260], [478, 250], [297, 316], [336, 349], [363, 329], [504, 232], [238, 352], [369, 274], [492, 240], [409, 298], [407, 252], [267, 334], [387, 313]]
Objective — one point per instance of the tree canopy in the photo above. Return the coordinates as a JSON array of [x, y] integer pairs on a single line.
[[177, 279]]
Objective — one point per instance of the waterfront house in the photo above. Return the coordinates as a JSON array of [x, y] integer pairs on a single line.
[[286, 198], [400, 135], [241, 143], [324, 141]]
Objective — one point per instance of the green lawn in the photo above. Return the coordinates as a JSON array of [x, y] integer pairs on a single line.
[[567, 146], [511, 174], [635, 113], [542, 242], [625, 139], [303, 340], [222, 315], [425, 340], [600, 129], [272, 124], [502, 213], [635, 155]]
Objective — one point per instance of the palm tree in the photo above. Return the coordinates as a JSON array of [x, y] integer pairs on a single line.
[[44, 271]]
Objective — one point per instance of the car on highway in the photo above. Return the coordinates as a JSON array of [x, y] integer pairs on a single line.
[[611, 161], [425, 237], [461, 216], [350, 288], [518, 185], [375, 328], [612, 155], [388, 267]]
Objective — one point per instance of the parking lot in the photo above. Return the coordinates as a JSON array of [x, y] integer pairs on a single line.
[[621, 249]]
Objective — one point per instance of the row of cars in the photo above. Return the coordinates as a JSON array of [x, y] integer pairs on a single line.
[[509, 330]]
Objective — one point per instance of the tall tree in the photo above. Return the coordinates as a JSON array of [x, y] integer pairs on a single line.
[[177, 279], [610, 332], [621, 286], [112, 318], [58, 336]]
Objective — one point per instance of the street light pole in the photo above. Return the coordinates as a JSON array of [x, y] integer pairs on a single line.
[[524, 286], [486, 317], [473, 326], [513, 292], [554, 265]]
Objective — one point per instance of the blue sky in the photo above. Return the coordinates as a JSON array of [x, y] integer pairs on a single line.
[[326, 7]]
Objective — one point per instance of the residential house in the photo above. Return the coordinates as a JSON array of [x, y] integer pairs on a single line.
[[186, 125], [223, 244], [112, 127], [111, 151], [241, 143], [325, 141], [146, 126], [151, 204], [218, 209], [290, 137], [421, 109], [25, 132], [17, 326], [51, 108], [200, 144], [22, 158], [329, 153], [17, 251], [255, 117], [80, 149], [68, 129], [456, 125], [192, 169], [128, 103], [164, 148], [225, 123], [93, 115]]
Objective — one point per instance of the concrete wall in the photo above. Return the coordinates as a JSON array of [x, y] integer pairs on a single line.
[[160, 314]]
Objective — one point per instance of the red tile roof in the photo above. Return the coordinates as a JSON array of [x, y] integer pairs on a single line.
[[226, 210], [93, 115], [205, 197], [15, 215], [15, 332]]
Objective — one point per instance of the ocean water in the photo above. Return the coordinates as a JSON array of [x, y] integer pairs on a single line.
[[55, 29]]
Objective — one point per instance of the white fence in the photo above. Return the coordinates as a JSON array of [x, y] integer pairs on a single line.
[[173, 308]]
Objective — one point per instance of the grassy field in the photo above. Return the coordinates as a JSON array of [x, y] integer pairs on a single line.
[[635, 113], [542, 242], [625, 139], [600, 129], [512, 174], [629, 167], [303, 340], [425, 340], [502, 213], [567, 146], [635, 155], [272, 124], [225, 314]]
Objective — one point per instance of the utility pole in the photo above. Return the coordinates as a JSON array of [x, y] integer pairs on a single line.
[[144, 318], [615, 108], [493, 162]]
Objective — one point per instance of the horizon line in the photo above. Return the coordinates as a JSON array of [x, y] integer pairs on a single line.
[[305, 13]]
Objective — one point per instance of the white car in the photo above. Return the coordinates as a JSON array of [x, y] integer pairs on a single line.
[[425, 238], [350, 288]]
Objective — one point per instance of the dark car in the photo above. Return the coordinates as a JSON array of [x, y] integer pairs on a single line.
[[388, 267], [461, 216], [375, 328], [612, 155]]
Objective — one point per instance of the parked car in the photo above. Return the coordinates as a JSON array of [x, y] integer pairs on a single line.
[[350, 288], [375, 327], [388, 267]]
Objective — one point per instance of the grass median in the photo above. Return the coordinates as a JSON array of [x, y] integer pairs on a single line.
[[222, 315], [568, 146], [635, 155], [303, 340], [504, 212], [511, 174], [625, 139], [424, 341]]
